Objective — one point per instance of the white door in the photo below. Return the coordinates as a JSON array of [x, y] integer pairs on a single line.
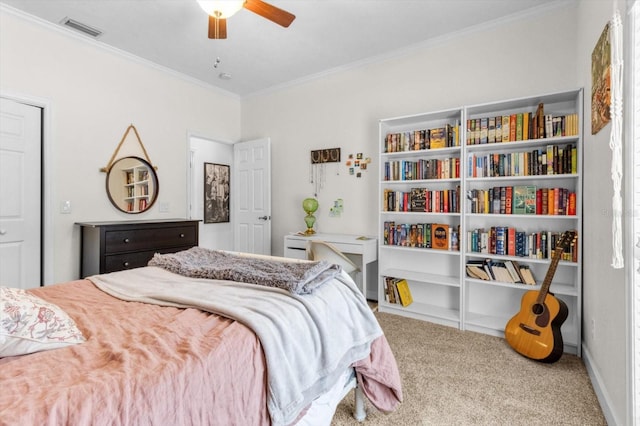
[[252, 193], [20, 194]]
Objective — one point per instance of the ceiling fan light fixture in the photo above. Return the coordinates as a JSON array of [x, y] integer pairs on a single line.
[[221, 9]]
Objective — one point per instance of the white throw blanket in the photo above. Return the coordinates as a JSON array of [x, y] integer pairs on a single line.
[[308, 340]]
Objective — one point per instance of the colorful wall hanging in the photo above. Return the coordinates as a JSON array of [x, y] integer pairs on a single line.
[[601, 82]]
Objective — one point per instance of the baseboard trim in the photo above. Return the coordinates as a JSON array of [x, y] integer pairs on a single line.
[[598, 387]]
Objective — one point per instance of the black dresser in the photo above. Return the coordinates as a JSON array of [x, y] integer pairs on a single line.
[[114, 246]]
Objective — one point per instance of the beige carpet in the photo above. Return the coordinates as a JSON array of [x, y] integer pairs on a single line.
[[453, 377]]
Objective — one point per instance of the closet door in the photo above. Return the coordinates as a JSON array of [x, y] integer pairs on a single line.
[[20, 194]]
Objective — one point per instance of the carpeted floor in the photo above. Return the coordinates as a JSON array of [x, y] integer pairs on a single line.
[[453, 377]]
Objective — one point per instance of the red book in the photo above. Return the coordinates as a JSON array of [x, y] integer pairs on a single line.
[[571, 210], [512, 127], [539, 201], [508, 199], [511, 241], [446, 201]]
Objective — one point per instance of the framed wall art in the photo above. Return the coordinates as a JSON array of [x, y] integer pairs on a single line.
[[216, 193], [601, 82]]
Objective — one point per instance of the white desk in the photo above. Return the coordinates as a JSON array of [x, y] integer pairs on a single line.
[[363, 253]]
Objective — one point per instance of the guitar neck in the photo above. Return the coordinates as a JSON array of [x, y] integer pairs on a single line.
[[555, 259]]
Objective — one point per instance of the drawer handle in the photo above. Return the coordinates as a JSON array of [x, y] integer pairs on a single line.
[[181, 235], [125, 264], [126, 240]]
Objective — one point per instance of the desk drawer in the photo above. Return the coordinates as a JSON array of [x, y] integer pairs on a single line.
[[301, 244], [153, 238]]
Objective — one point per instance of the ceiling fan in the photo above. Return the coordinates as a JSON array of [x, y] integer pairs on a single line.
[[220, 10]]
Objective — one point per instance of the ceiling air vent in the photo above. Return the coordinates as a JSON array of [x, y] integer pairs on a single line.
[[83, 28]]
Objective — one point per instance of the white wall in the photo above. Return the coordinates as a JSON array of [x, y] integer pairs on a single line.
[[604, 302], [94, 95], [527, 56]]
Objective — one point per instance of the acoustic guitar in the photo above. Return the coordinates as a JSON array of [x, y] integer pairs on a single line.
[[535, 330]]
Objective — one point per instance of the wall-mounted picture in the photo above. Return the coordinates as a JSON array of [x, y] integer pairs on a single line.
[[601, 82], [216, 193]]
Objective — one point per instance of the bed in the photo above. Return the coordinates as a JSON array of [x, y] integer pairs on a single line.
[[169, 344]]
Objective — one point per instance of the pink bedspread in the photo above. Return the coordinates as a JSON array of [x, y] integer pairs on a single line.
[[146, 364], [141, 364]]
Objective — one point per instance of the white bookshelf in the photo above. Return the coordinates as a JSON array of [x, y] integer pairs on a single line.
[[441, 290]]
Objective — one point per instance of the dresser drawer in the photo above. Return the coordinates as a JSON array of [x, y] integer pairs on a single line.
[[114, 246], [154, 238], [119, 262]]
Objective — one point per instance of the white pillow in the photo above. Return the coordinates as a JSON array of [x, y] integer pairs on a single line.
[[30, 324]]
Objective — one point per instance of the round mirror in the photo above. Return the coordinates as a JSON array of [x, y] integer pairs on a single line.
[[132, 185]]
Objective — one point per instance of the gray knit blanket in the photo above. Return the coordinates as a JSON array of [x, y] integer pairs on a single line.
[[295, 277]]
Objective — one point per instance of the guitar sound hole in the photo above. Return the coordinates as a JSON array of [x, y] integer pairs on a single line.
[[537, 308]]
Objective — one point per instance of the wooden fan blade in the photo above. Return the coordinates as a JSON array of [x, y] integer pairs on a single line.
[[272, 13], [217, 28]]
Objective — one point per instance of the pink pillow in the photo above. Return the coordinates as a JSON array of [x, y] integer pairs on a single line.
[[30, 324]]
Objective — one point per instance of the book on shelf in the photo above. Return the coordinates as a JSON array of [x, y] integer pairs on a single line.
[[487, 265], [390, 290], [519, 199], [518, 270], [484, 130], [507, 271], [438, 138], [397, 291], [440, 236], [404, 292], [511, 241], [498, 132], [540, 121], [508, 200], [506, 128], [515, 275], [418, 199], [527, 275], [530, 200], [571, 207], [475, 269], [501, 272], [521, 126]]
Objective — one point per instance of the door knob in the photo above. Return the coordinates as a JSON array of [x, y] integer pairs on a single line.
[[264, 217]]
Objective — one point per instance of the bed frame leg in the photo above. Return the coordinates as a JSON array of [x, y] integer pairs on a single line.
[[359, 413]]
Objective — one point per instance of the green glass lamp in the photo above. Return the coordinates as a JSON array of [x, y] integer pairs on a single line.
[[310, 205]]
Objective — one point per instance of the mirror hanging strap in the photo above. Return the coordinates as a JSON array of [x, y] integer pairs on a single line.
[[124, 137]]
